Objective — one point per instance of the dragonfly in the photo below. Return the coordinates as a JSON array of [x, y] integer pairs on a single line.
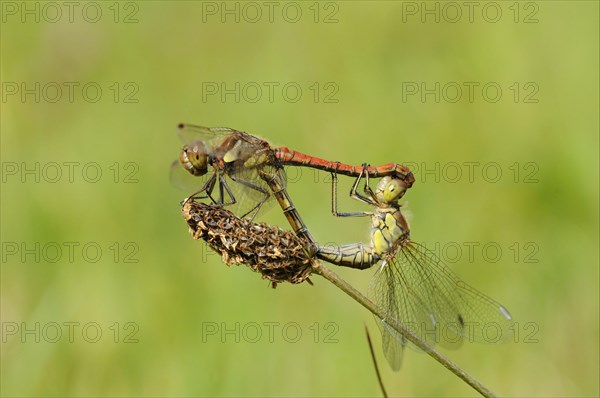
[[412, 285], [234, 168]]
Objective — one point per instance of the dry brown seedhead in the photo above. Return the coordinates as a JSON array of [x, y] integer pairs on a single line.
[[277, 254]]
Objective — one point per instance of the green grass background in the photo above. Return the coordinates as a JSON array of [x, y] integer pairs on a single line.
[[177, 288]]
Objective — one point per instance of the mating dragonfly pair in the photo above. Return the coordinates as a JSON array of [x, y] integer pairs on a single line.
[[235, 169]]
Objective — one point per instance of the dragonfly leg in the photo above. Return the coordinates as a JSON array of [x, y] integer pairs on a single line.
[[211, 187], [354, 192], [206, 189], [367, 187], [223, 185], [334, 199], [223, 188]]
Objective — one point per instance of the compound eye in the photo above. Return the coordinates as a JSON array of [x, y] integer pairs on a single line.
[[393, 191], [197, 160]]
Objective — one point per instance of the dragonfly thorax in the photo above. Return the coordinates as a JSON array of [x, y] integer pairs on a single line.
[[388, 226], [194, 158]]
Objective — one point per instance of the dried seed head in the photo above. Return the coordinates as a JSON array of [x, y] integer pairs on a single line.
[[277, 254]]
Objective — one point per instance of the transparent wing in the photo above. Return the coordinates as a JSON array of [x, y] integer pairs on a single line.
[[391, 289], [251, 194], [190, 133], [384, 294], [416, 288], [184, 180]]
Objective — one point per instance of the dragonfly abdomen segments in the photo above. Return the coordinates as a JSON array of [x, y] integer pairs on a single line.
[[275, 183], [290, 157], [353, 255]]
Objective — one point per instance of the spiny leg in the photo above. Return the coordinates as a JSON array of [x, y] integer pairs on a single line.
[[209, 187], [353, 194], [224, 188], [367, 187], [255, 187], [206, 188]]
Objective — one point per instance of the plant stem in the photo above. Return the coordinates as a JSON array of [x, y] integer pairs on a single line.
[[400, 328], [377, 373]]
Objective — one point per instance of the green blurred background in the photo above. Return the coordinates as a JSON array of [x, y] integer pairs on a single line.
[[155, 294]]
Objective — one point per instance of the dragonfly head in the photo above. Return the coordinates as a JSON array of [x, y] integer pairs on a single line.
[[389, 190], [194, 158]]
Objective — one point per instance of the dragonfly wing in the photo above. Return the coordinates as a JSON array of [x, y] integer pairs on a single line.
[[184, 180], [416, 288], [252, 187], [393, 344], [382, 290], [190, 133], [392, 289], [459, 312]]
